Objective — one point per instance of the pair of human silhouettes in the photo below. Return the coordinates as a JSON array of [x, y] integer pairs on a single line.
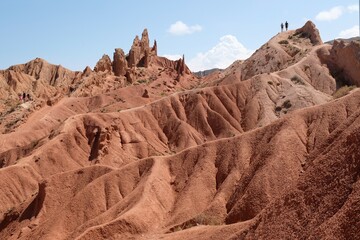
[[286, 26]]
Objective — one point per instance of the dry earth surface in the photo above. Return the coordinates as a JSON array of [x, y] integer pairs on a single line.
[[140, 148]]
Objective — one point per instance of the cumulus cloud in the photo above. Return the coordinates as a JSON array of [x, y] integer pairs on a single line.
[[349, 33], [329, 15], [353, 8], [180, 28], [336, 12], [221, 55]]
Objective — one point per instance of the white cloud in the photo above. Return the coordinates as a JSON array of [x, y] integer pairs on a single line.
[[336, 12], [329, 15], [353, 8], [180, 28], [221, 55], [173, 57], [349, 33]]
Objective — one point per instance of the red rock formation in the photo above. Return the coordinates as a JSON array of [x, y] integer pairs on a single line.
[[134, 53], [146, 59], [139, 54], [104, 64], [154, 49], [146, 94], [344, 61], [144, 42], [104, 167], [310, 31], [130, 78], [119, 64], [87, 71], [41, 69], [180, 68], [165, 63], [37, 75]]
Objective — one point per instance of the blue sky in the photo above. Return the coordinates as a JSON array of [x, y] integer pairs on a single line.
[[210, 33]]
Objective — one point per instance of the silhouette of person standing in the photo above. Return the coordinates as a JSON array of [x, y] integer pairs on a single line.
[[282, 27], [286, 25]]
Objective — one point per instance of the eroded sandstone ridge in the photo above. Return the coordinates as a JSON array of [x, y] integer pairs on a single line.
[[140, 148]]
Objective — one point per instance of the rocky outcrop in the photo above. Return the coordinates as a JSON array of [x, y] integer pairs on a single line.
[[134, 53], [154, 49], [144, 43], [344, 62], [130, 78], [310, 31], [104, 64], [140, 53], [180, 68], [87, 71], [179, 65], [119, 64], [41, 69], [38, 78], [146, 94]]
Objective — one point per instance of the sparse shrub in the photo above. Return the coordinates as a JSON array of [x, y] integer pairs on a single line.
[[10, 210], [176, 229], [142, 81], [12, 109], [287, 104], [290, 37], [202, 219], [343, 91], [12, 123], [283, 42], [297, 80], [278, 109], [270, 82], [304, 35], [206, 219]]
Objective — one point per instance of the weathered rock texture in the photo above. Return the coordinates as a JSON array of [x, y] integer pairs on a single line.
[[310, 31], [253, 154], [103, 65], [344, 59], [119, 63], [140, 52]]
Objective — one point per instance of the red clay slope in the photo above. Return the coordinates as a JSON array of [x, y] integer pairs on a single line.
[[296, 177], [270, 157]]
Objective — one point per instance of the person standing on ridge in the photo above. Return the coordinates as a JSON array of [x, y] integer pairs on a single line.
[[282, 27], [286, 25]]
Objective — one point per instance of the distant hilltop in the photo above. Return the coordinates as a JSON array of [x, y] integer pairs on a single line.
[[206, 72], [344, 39]]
